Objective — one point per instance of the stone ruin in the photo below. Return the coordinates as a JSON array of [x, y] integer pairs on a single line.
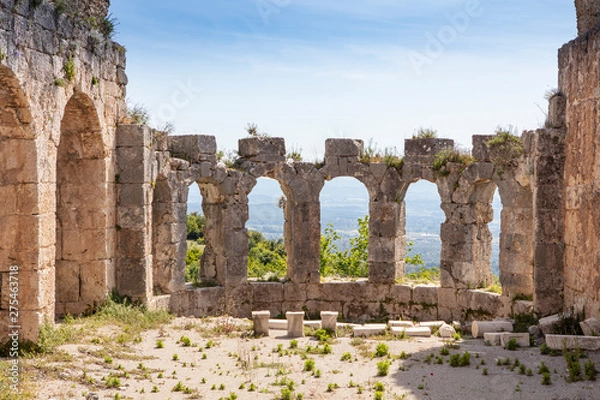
[[90, 203]]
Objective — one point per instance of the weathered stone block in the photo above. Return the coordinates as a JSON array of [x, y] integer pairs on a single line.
[[193, 148], [329, 320], [590, 327], [559, 342], [384, 272], [401, 293], [369, 330], [261, 322], [344, 148], [401, 324], [426, 147], [588, 15], [267, 292], [133, 136], [493, 338], [133, 165], [295, 323], [522, 339], [479, 328], [446, 331], [425, 294], [263, 149], [480, 147]]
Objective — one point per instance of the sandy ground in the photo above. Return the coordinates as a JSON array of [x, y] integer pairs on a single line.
[[218, 366]]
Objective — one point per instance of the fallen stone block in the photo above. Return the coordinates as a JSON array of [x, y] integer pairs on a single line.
[[313, 324], [369, 330], [479, 328], [547, 324], [295, 323], [278, 324], [493, 338], [261, 322], [422, 331], [558, 342], [446, 331], [521, 338], [401, 324], [432, 324], [590, 327]]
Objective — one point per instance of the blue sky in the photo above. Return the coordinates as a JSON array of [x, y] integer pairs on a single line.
[[307, 70]]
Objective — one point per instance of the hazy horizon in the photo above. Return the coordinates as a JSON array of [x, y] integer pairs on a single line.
[[423, 214]]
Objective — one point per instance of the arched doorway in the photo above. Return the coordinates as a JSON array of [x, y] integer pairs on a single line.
[[84, 243]]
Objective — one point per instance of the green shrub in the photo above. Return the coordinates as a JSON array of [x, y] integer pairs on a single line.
[[309, 365], [383, 368], [590, 370], [185, 341], [458, 360], [546, 378], [512, 344], [382, 350]]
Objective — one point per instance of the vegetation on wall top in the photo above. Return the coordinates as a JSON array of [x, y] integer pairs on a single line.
[[425, 133], [505, 148], [457, 156]]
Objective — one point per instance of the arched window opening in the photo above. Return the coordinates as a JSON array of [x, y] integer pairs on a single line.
[[424, 218], [267, 255], [495, 228], [195, 239], [344, 229]]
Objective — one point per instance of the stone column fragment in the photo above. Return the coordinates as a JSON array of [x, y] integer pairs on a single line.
[[295, 323], [261, 322]]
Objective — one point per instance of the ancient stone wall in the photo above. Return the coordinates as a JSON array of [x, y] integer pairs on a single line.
[[578, 83], [172, 164], [90, 203], [62, 85]]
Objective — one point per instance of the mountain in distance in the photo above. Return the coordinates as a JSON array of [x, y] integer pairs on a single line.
[[344, 200]]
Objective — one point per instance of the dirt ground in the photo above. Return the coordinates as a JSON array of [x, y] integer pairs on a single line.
[[223, 361]]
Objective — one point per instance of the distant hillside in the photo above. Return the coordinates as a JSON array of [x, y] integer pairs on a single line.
[[344, 200]]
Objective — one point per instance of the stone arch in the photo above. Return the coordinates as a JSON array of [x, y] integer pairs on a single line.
[[353, 183], [18, 175], [84, 220], [214, 251], [516, 237], [23, 217], [467, 195], [405, 213], [281, 203]]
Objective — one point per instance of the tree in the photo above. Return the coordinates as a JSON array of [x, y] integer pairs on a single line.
[[349, 263], [266, 257], [195, 227]]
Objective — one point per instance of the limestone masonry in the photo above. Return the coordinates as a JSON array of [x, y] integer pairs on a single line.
[[90, 203]]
